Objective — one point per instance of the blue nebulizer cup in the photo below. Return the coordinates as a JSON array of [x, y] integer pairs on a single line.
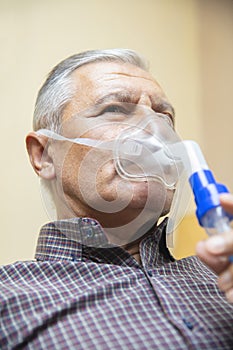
[[206, 190]]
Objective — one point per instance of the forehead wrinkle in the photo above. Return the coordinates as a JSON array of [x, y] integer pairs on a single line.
[[131, 75]]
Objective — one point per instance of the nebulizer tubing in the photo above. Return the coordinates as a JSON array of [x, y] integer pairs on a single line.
[[210, 214]]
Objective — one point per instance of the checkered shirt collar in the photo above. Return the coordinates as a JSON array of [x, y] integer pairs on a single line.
[[60, 240]]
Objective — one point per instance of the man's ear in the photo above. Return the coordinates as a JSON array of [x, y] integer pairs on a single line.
[[42, 163]]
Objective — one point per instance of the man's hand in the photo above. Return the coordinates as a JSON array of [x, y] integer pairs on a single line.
[[216, 250]]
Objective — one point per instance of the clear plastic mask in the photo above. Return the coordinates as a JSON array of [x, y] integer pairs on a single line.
[[137, 142], [142, 152]]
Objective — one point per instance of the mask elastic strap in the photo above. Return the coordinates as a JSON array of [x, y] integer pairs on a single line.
[[80, 141]]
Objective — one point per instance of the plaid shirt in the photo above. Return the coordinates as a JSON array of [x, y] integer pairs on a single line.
[[80, 297]]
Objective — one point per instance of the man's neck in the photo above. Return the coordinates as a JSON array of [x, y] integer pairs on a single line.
[[135, 252], [133, 248]]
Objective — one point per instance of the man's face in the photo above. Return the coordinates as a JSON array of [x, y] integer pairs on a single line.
[[87, 177]]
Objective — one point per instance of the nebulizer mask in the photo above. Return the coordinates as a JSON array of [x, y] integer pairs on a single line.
[[143, 148]]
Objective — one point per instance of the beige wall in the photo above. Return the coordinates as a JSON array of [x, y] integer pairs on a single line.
[[215, 37], [216, 49], [172, 34]]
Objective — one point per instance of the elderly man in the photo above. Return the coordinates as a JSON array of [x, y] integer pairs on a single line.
[[103, 276]]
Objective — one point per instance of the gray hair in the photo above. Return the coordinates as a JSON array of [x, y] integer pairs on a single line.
[[58, 89]]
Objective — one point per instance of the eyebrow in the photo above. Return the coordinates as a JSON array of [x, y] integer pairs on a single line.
[[121, 96], [124, 96]]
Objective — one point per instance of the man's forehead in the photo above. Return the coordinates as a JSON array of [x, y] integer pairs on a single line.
[[111, 67], [103, 82], [113, 75]]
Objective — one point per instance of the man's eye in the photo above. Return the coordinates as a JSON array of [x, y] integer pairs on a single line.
[[114, 109]]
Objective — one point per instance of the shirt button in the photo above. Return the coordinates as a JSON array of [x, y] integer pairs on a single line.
[[94, 223], [150, 273], [89, 233], [73, 257], [85, 220], [188, 324]]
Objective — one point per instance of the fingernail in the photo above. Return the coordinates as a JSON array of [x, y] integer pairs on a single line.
[[226, 196], [216, 244]]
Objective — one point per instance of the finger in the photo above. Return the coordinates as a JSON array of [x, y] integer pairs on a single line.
[[226, 201], [229, 295], [217, 263], [221, 244]]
